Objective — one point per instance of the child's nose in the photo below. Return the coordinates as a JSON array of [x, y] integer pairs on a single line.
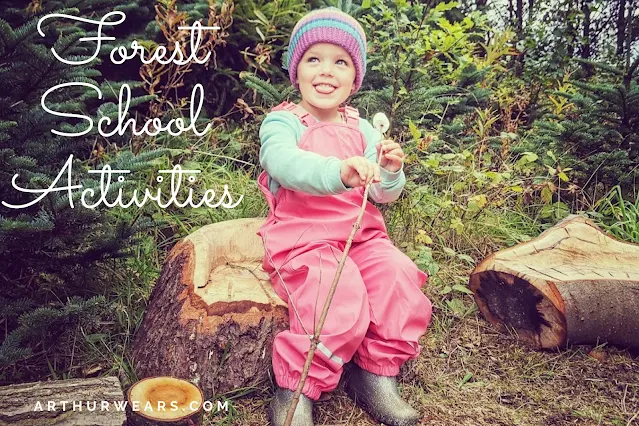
[[327, 68]]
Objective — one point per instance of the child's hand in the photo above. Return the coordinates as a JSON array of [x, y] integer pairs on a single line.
[[357, 171], [393, 158]]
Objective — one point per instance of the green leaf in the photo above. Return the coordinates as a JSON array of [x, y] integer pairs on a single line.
[[431, 163], [456, 306], [414, 131], [466, 259], [546, 211], [260, 16], [462, 289], [477, 202], [423, 238], [259, 32], [449, 251], [457, 225], [531, 156], [465, 380], [443, 7], [527, 157], [93, 338], [494, 176]]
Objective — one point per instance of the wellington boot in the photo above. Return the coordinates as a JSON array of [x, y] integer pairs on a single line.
[[279, 408], [379, 396]]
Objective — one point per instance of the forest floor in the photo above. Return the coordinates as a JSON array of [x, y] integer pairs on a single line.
[[470, 374]]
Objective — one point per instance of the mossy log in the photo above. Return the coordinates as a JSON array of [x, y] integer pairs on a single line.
[[571, 285], [213, 314], [94, 401]]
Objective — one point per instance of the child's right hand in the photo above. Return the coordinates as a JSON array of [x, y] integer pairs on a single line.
[[357, 171]]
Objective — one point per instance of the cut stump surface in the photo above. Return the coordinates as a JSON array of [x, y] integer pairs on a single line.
[[573, 284], [158, 401]]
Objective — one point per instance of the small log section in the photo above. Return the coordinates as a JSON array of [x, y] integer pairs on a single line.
[[158, 401], [212, 315], [571, 285], [41, 403]]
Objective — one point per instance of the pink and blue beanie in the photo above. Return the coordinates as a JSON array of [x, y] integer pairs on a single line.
[[329, 25]]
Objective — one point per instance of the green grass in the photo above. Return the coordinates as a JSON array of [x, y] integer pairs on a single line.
[[618, 216]]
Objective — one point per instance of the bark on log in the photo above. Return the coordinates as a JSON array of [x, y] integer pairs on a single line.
[[572, 285], [30, 404], [213, 314]]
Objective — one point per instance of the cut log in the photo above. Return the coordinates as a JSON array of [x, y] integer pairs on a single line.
[[95, 401], [213, 314], [158, 401], [572, 285]]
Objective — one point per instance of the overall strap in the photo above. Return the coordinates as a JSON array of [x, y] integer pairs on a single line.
[[305, 117], [352, 116]]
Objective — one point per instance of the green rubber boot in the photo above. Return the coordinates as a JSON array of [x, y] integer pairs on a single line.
[[303, 415], [379, 396]]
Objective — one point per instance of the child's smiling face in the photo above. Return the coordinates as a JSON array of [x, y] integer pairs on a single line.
[[325, 76]]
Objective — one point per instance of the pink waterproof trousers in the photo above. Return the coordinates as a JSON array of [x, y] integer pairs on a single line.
[[378, 312]]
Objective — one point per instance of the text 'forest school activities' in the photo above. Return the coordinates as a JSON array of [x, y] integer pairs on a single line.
[[122, 125]]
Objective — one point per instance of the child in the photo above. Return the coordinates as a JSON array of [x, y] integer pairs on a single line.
[[317, 159]]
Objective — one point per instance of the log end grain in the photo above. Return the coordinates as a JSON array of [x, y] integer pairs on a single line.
[[513, 304], [157, 401]]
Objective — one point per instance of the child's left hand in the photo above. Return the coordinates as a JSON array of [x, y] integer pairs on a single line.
[[393, 157]]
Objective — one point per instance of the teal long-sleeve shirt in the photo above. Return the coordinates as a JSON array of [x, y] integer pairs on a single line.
[[294, 168]]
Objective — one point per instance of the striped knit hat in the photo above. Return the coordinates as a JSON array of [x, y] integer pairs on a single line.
[[329, 25]]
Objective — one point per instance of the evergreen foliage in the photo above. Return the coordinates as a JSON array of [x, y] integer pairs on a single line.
[[271, 95], [45, 324], [599, 135], [50, 251]]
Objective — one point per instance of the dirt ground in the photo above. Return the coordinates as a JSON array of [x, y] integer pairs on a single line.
[[469, 374]]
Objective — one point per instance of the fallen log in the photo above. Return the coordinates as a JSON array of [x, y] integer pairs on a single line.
[[95, 401], [213, 314], [571, 285]]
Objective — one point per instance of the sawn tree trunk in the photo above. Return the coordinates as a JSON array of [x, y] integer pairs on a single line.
[[213, 314], [573, 284]]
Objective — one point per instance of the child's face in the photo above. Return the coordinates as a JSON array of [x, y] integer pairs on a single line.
[[325, 75]]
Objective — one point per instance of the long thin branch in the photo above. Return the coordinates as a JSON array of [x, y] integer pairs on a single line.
[[327, 303]]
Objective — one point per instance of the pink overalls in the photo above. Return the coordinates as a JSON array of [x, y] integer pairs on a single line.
[[378, 312]]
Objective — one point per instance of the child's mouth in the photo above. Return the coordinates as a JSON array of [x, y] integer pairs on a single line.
[[325, 89]]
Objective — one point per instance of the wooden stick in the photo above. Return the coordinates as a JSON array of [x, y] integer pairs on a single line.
[[327, 303]]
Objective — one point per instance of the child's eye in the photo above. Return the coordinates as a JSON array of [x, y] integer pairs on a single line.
[[341, 62], [313, 59]]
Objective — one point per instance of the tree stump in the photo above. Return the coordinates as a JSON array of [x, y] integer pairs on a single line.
[[572, 285], [95, 401], [158, 401], [213, 314]]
